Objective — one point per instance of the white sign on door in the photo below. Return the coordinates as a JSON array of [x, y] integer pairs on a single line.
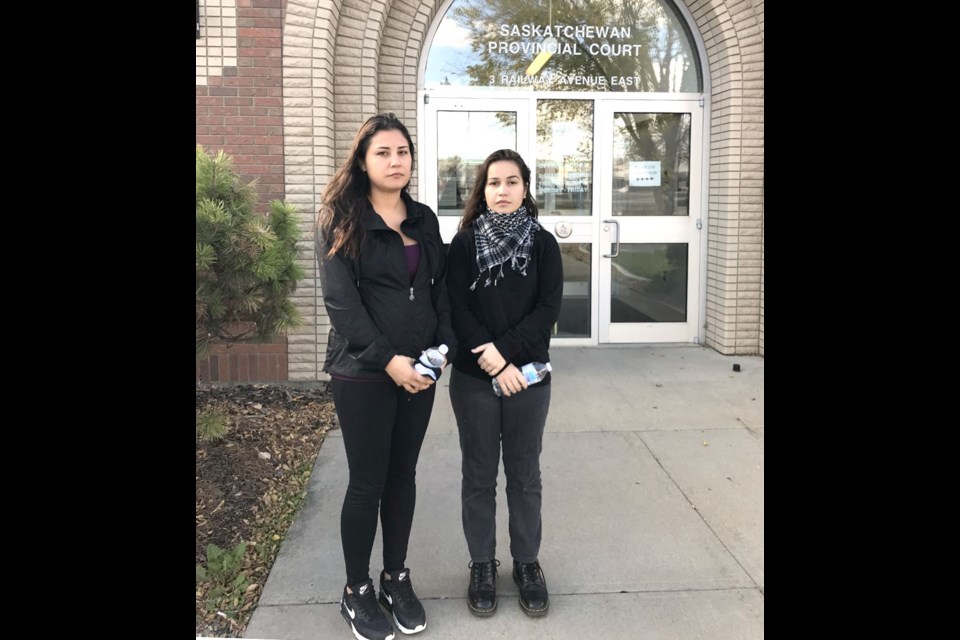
[[644, 174]]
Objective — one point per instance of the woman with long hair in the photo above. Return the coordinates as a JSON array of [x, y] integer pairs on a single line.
[[505, 282], [382, 270]]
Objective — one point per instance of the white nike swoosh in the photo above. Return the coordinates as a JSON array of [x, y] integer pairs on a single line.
[[349, 611], [389, 599]]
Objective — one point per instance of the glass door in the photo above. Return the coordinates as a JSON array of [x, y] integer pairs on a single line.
[[563, 184], [650, 220], [457, 137], [617, 184], [555, 137]]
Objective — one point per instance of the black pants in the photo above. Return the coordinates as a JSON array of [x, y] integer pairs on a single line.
[[383, 427], [487, 422]]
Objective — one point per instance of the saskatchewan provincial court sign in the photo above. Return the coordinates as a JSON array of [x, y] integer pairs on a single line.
[[591, 47]]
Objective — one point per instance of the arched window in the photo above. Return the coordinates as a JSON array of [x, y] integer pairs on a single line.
[[564, 45]]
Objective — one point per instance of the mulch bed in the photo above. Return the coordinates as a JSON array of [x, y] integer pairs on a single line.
[[274, 431]]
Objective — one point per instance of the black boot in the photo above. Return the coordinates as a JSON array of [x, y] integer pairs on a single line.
[[533, 587], [482, 592]]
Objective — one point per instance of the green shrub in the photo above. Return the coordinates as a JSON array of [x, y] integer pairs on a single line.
[[246, 262]]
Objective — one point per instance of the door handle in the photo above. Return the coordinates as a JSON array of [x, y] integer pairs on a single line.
[[616, 240]]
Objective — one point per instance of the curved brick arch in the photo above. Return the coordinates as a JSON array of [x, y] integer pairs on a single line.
[[355, 65], [309, 36], [733, 38], [333, 81], [401, 48], [309, 32]]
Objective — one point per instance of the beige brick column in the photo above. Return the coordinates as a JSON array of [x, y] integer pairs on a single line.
[[732, 33]]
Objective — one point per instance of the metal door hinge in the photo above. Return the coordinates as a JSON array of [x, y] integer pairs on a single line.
[[701, 101], [699, 224], [426, 99]]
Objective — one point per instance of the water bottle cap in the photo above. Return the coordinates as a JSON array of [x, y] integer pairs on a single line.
[[443, 349], [549, 368]]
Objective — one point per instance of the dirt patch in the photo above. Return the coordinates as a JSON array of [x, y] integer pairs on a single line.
[[274, 437]]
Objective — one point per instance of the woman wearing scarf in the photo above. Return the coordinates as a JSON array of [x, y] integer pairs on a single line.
[[505, 283]]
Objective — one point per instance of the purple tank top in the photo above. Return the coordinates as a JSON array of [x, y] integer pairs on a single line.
[[413, 259]]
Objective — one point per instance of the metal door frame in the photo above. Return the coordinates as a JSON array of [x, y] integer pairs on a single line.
[[591, 228]]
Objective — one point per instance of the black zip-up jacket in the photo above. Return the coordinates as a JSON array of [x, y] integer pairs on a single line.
[[374, 312], [517, 314]]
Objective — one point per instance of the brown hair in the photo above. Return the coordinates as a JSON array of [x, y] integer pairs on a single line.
[[477, 202], [340, 204]]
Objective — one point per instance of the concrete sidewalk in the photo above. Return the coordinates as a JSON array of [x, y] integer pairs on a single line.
[[652, 471]]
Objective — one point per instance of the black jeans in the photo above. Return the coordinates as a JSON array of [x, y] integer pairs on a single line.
[[485, 421], [383, 428]]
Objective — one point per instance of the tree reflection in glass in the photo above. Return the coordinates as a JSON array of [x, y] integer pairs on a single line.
[[564, 165], [661, 138], [598, 45]]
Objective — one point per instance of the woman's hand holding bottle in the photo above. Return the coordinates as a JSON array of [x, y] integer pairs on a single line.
[[400, 369], [511, 381]]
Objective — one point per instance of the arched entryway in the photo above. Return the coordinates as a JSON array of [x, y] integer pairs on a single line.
[[605, 101], [344, 61]]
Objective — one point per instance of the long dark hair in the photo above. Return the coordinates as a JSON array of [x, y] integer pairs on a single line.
[[477, 202], [340, 204]]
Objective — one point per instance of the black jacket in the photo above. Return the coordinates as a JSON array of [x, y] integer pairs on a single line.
[[517, 314], [368, 299]]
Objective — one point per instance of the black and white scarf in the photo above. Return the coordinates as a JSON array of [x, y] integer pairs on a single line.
[[502, 237]]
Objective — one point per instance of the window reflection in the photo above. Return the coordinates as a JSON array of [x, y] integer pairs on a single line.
[[464, 140], [564, 172], [649, 283], [593, 45], [651, 164], [574, 321]]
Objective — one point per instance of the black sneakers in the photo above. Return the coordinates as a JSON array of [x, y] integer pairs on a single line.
[[482, 592], [362, 613], [398, 597], [533, 587]]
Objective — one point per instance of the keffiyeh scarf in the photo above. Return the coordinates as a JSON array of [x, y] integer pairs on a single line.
[[502, 237]]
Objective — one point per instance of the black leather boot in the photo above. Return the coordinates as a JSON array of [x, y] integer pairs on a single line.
[[482, 592], [529, 577]]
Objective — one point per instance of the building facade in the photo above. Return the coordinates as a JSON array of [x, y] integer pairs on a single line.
[[641, 119]]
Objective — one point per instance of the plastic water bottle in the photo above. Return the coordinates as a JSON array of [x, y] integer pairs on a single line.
[[432, 357], [534, 372]]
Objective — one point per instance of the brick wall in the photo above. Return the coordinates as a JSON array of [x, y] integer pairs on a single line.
[[240, 110], [245, 362], [240, 88], [732, 34]]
